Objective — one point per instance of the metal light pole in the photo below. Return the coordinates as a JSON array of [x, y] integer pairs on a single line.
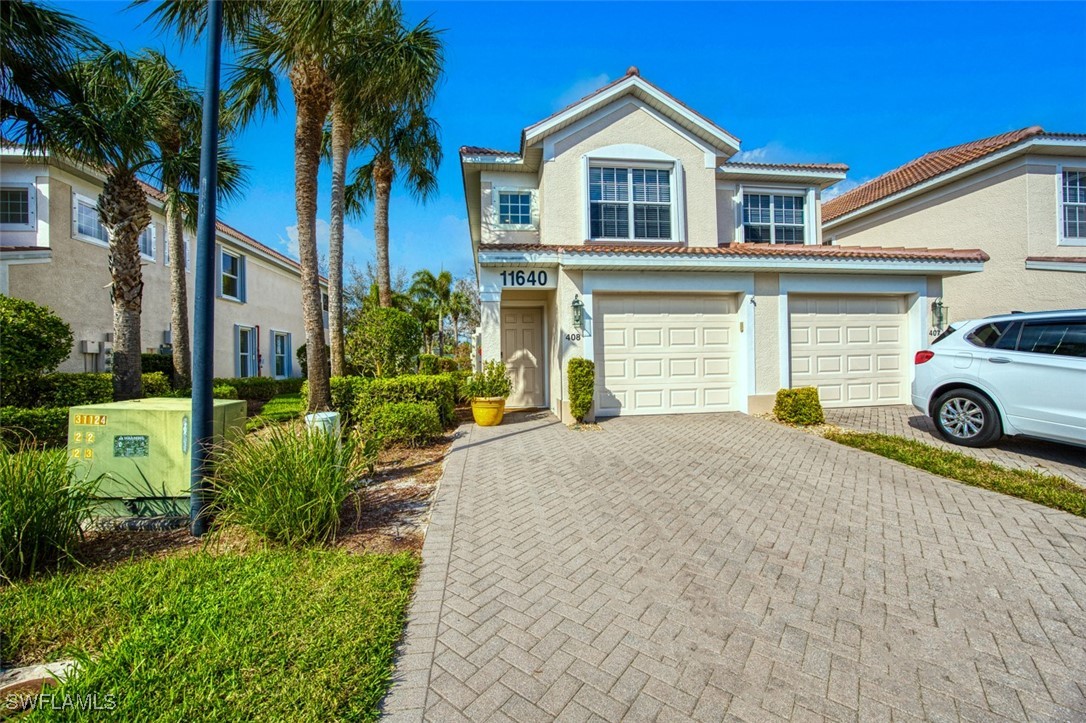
[[203, 348]]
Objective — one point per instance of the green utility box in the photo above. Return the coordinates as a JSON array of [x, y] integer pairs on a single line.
[[142, 450]]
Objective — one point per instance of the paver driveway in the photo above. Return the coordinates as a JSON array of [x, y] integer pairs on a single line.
[[724, 567]]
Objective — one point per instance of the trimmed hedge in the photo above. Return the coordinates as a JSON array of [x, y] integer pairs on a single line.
[[156, 384], [158, 363], [72, 389], [415, 424], [799, 406], [428, 363], [357, 397], [47, 426], [261, 388], [582, 386]]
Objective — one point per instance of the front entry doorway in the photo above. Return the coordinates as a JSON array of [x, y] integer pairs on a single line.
[[522, 352]]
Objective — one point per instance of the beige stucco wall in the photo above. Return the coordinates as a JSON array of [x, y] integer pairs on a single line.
[[75, 284], [491, 232], [767, 341], [1011, 213], [563, 188]]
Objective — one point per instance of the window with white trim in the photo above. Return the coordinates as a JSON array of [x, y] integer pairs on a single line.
[[630, 203], [515, 208], [280, 354], [231, 276], [1074, 205], [245, 357], [18, 203], [147, 242], [771, 218], [185, 250], [85, 222]]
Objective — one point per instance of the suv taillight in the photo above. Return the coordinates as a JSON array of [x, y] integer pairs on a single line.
[[923, 356]]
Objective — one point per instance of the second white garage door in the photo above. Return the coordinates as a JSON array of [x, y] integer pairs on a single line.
[[659, 354], [853, 348]]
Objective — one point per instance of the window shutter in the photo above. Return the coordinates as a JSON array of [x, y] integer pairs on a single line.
[[241, 279], [218, 272], [290, 357], [237, 346]]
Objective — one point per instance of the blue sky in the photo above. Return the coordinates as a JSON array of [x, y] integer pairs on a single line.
[[872, 85]]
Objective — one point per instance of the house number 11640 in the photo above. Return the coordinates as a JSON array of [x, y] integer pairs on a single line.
[[524, 278]]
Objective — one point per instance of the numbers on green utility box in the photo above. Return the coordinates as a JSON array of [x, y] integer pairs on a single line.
[[130, 445]]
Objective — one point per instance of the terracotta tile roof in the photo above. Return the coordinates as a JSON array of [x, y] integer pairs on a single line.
[[1060, 259], [835, 167], [479, 151], [929, 166], [756, 251]]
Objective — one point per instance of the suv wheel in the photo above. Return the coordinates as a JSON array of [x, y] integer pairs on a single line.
[[967, 417]]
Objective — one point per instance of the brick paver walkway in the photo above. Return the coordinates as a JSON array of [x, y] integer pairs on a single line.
[[1013, 452], [718, 567]]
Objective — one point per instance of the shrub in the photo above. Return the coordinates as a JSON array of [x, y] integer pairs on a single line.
[[438, 389], [384, 343], [415, 424], [344, 392], [799, 406], [427, 364], [447, 365], [493, 381], [459, 377], [261, 388], [156, 384], [73, 390], [41, 426], [158, 363], [222, 391], [303, 358], [34, 341], [287, 484], [43, 506], [582, 387]]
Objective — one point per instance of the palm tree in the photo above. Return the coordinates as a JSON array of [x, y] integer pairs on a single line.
[[437, 290], [177, 136], [380, 63], [298, 39], [403, 141], [460, 307], [38, 47], [111, 126]]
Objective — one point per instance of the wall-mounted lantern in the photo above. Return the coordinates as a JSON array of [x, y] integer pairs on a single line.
[[578, 311], [939, 314]]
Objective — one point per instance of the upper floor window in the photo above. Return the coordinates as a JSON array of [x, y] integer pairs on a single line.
[[147, 241], [773, 218], [515, 208], [185, 250], [1074, 205], [85, 221], [232, 276], [629, 203], [17, 207]]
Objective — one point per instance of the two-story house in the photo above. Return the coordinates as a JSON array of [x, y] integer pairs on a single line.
[[1021, 196], [623, 232], [54, 251]]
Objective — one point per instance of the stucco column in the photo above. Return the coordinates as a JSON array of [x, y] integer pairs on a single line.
[[490, 315]]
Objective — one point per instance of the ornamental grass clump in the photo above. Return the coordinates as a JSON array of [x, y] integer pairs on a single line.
[[288, 484], [44, 504]]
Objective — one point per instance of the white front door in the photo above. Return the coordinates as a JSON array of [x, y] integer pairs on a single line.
[[666, 354], [522, 352], [852, 348]]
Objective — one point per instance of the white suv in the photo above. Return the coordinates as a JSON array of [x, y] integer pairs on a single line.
[[1013, 374]]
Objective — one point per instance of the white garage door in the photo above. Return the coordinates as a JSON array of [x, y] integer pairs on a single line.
[[659, 354], [853, 348]]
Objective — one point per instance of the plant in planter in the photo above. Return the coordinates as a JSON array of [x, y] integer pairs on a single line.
[[487, 391]]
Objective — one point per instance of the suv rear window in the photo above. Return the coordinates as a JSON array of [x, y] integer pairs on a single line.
[[946, 332], [995, 335]]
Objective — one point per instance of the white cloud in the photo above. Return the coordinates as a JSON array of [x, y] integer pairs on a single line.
[[580, 89], [842, 187], [774, 152]]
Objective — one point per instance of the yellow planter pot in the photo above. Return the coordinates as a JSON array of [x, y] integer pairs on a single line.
[[488, 411]]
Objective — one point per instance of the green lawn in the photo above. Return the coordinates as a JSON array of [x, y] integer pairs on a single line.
[[275, 635], [281, 408], [1051, 491]]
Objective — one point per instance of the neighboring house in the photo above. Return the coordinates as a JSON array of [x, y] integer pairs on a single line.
[[622, 231], [1020, 196], [53, 251]]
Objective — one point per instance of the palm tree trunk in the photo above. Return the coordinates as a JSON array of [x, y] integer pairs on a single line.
[[382, 190], [179, 298], [441, 334], [312, 98], [341, 148], [122, 209]]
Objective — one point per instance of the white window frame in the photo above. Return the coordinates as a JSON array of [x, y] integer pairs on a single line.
[[237, 277], [154, 239], [275, 334], [31, 206], [253, 354], [809, 229], [1063, 239], [188, 253], [631, 165], [532, 209], [78, 198]]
